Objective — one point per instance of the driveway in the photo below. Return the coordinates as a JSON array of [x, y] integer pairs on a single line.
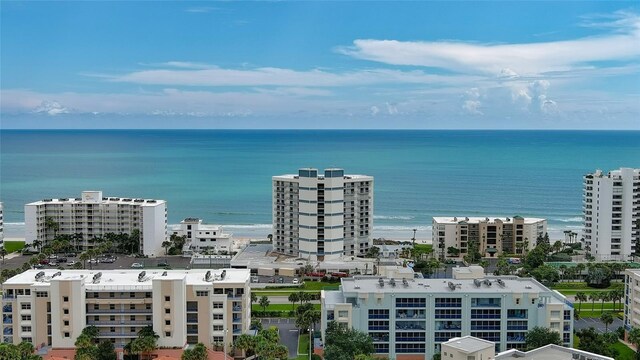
[[288, 333], [586, 323]]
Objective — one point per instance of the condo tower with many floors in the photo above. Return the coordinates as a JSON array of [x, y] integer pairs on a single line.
[[322, 216], [611, 208], [93, 216], [49, 308], [410, 318], [494, 236]]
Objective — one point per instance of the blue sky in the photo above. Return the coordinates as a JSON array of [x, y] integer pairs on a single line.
[[431, 65]]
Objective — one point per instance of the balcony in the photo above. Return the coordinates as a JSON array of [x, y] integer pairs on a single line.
[[117, 311], [119, 323], [117, 334]]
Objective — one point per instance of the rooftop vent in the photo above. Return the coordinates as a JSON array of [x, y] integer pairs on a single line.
[[500, 282], [59, 273], [141, 276], [487, 282], [452, 286], [381, 282], [527, 287], [207, 276], [405, 282], [392, 282], [508, 219], [477, 282], [39, 275], [466, 219], [224, 273], [164, 273], [96, 278], [138, 200]]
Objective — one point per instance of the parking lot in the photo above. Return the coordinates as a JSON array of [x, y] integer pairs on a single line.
[[288, 333], [122, 262], [586, 323]]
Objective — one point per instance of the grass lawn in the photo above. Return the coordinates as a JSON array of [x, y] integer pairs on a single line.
[[279, 307], [282, 292], [12, 246], [586, 306], [319, 285], [303, 344], [624, 352]]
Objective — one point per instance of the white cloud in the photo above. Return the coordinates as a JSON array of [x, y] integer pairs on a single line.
[[374, 110], [200, 9], [472, 103], [50, 108], [498, 59], [392, 109]]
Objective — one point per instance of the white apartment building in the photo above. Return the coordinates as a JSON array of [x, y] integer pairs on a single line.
[[203, 237], [322, 217], [472, 348], [632, 299], [93, 216], [50, 308], [409, 319], [611, 207], [512, 235]]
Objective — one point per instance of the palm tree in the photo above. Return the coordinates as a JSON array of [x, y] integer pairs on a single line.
[[84, 256], [580, 296], [604, 296], [264, 303], [579, 269], [37, 244], [293, 298], [607, 319], [3, 253], [254, 297], [563, 270], [245, 343], [634, 337], [166, 245], [593, 297]]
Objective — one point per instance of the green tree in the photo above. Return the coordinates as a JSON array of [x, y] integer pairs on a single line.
[[546, 274], [245, 343], [22, 351], [254, 297], [593, 297], [580, 296], [453, 251], [198, 352], [342, 343], [634, 337], [106, 351], [607, 319], [293, 299], [166, 245], [592, 341], [145, 343], [264, 303], [598, 276], [539, 336]]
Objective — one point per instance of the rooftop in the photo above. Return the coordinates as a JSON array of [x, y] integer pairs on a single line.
[[550, 352], [469, 344], [475, 220], [488, 284], [130, 279], [346, 177]]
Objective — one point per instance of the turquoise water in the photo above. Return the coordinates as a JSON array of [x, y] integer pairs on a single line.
[[224, 176]]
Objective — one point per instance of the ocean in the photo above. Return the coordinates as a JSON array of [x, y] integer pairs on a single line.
[[224, 176]]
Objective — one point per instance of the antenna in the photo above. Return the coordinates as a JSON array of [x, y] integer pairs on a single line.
[[164, 273], [224, 273], [452, 286]]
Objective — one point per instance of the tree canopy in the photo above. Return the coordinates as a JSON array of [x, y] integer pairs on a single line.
[[539, 336], [342, 343]]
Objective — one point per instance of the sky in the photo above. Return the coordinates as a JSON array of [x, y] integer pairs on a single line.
[[357, 64]]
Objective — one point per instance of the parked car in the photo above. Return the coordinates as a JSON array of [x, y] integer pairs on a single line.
[[93, 261], [295, 281], [71, 263], [53, 263], [108, 260], [162, 264], [44, 261], [137, 266], [281, 280], [61, 259], [272, 280], [71, 254], [254, 279], [38, 266]]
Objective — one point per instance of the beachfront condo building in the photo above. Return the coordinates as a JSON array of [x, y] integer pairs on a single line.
[[411, 318], [322, 216], [92, 216], [611, 208], [632, 299], [511, 235], [203, 237], [49, 308], [1, 226]]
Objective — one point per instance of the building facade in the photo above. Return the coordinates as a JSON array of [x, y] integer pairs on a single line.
[[1, 226], [93, 216], [494, 236], [320, 217], [611, 209], [203, 237], [410, 319], [632, 299], [50, 308]]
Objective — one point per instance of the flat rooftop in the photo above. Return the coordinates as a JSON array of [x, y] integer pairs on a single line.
[[105, 200], [128, 279], [321, 177], [510, 285], [476, 220], [549, 352], [469, 344]]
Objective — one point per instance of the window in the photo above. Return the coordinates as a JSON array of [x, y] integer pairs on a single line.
[[167, 311], [343, 313], [132, 329], [202, 293], [26, 317], [112, 318], [96, 318], [25, 306], [133, 318], [218, 328], [42, 294], [96, 307], [112, 307], [167, 322], [112, 329], [67, 335], [148, 317], [132, 306], [66, 323], [167, 333], [65, 311], [167, 298], [132, 295], [218, 305], [217, 317], [112, 294], [26, 329], [65, 298]]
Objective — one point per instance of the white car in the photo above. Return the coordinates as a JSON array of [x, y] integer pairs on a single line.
[[72, 263], [137, 266], [295, 281], [93, 261]]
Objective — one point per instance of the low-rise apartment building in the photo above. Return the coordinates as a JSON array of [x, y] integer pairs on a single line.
[[632, 299], [50, 307], [203, 237], [410, 318], [92, 216], [494, 236]]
